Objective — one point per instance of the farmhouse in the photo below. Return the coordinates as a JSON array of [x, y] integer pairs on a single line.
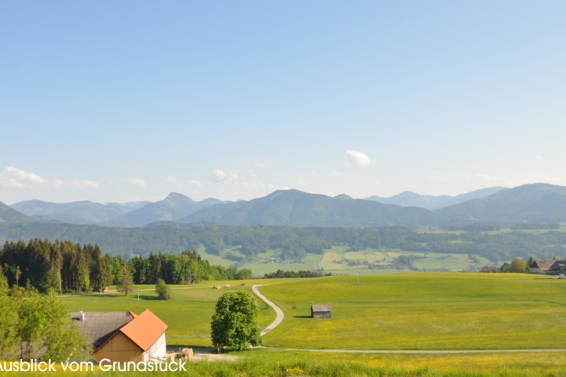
[[488, 269], [321, 311], [548, 267], [124, 336]]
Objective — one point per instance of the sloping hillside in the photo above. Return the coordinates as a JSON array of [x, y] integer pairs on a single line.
[[296, 208], [538, 202], [9, 215], [174, 207]]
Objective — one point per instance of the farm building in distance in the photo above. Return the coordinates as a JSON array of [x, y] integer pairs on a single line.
[[321, 311], [124, 336], [548, 267], [488, 269]]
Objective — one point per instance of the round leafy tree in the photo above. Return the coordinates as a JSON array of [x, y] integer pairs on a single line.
[[234, 325], [162, 290]]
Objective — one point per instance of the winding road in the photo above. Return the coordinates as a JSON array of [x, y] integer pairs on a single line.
[[278, 318]]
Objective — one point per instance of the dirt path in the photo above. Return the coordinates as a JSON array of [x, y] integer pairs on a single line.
[[278, 318]]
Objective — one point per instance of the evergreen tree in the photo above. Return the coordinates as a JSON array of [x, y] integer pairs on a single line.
[[126, 284]]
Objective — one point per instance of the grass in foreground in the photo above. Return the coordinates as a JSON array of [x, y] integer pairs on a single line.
[[260, 363]]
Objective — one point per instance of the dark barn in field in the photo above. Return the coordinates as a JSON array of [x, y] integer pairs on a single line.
[[321, 311]]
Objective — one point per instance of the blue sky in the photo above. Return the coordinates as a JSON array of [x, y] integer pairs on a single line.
[[120, 101]]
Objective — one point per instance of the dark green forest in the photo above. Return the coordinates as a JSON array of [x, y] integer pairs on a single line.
[[66, 266]]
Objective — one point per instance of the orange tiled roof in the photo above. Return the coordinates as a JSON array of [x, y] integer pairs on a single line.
[[145, 329]]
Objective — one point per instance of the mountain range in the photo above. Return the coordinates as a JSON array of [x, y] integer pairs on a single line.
[[535, 203], [411, 199], [83, 212], [296, 208]]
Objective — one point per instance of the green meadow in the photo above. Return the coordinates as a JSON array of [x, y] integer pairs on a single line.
[[422, 311], [413, 311], [339, 260], [408, 311]]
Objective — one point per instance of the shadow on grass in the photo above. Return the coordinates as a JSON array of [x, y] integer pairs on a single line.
[[149, 298], [120, 295], [196, 349], [102, 295], [302, 316]]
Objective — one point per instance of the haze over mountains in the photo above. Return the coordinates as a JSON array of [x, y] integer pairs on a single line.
[[408, 198], [83, 212], [536, 203]]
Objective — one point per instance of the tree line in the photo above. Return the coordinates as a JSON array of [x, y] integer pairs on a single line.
[[66, 266], [279, 274]]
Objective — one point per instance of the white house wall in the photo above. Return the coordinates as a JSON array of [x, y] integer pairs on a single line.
[[158, 349]]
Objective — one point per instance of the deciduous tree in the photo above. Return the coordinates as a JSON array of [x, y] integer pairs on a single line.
[[234, 324], [518, 265]]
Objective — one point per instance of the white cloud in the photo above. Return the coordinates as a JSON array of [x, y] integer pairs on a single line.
[[335, 173], [357, 159], [219, 175], [137, 182], [262, 164], [18, 178]]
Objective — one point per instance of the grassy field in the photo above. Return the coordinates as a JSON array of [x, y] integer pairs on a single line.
[[418, 311], [261, 363], [422, 311], [389, 311], [337, 261], [312, 261], [188, 313]]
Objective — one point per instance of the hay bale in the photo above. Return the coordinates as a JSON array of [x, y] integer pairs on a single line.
[[187, 353]]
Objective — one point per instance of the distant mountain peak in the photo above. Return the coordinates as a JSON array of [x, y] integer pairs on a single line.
[[176, 196]]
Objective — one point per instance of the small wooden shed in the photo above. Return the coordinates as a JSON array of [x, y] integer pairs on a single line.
[[321, 311]]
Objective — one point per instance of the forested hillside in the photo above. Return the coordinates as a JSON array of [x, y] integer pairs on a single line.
[[295, 243]]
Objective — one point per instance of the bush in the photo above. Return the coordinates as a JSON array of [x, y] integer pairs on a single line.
[[162, 290]]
